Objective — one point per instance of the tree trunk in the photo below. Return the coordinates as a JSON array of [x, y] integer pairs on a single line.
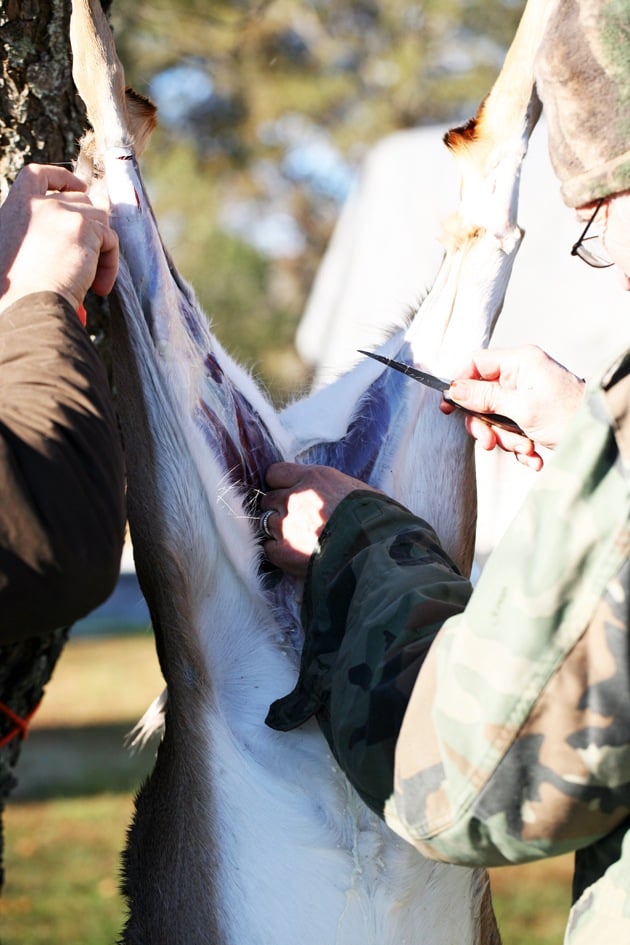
[[40, 114], [41, 120]]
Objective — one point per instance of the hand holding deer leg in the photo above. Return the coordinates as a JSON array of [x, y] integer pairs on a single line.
[[84, 252]]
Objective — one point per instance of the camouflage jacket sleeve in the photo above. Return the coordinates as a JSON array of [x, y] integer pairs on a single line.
[[515, 743], [378, 590]]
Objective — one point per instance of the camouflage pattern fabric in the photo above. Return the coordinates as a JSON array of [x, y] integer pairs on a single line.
[[516, 741], [379, 589], [583, 79]]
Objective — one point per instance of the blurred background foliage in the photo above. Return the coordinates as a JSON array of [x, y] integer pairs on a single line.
[[266, 111]]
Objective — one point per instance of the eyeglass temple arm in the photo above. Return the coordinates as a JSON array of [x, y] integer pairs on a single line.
[[576, 245]]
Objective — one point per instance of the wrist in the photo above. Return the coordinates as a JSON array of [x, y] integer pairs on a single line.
[[18, 291], [53, 301]]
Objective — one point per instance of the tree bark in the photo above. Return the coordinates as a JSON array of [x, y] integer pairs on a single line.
[[41, 120]]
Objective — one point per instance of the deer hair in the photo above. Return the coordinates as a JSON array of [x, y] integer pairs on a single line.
[[243, 835]]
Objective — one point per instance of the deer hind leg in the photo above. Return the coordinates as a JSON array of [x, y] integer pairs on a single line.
[[99, 75], [460, 313], [490, 148], [120, 117], [489, 151]]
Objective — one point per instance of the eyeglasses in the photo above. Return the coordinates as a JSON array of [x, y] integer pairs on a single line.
[[595, 254]]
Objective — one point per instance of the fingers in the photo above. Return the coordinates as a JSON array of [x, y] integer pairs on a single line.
[[281, 478], [54, 240], [272, 505], [446, 407], [50, 180], [304, 498], [107, 266], [486, 396], [534, 462], [490, 364], [485, 435], [284, 475], [38, 179], [291, 523], [91, 246], [487, 383], [482, 396], [88, 231], [489, 437]]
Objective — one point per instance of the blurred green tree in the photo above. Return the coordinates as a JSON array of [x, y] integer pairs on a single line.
[[259, 102]]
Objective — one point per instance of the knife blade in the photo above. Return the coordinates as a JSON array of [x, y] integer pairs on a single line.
[[438, 383]]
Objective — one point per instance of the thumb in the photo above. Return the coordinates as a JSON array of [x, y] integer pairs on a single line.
[[482, 396]]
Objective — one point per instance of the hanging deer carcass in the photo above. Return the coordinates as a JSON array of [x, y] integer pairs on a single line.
[[243, 835]]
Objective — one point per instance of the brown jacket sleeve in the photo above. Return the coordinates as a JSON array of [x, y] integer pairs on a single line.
[[61, 471]]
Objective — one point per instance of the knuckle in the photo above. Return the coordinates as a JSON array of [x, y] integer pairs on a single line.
[[31, 170]]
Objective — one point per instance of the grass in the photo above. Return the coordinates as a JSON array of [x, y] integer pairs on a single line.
[[66, 824], [532, 901], [62, 869], [65, 827]]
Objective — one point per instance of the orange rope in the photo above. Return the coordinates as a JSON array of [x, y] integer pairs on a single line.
[[21, 725]]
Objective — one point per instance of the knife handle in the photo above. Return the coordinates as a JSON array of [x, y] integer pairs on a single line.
[[492, 419]]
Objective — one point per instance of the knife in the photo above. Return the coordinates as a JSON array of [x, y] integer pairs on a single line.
[[438, 383]]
